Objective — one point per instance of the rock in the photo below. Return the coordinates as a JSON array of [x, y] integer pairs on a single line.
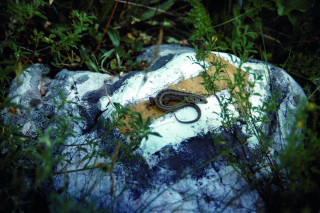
[[183, 169]]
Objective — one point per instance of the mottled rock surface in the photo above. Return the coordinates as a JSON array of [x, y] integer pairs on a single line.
[[182, 170]]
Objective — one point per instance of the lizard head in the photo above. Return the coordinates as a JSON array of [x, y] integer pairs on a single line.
[[197, 99]]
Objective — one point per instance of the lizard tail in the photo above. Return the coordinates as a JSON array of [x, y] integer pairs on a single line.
[[195, 120]]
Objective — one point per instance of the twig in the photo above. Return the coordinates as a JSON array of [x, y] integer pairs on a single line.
[[297, 42], [25, 48], [144, 6], [114, 9], [155, 13], [105, 89], [113, 162]]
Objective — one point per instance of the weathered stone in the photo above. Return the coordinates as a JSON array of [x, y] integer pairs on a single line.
[[182, 170]]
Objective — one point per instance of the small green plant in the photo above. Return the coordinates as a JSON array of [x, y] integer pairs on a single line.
[[20, 14], [293, 9], [29, 163], [67, 38], [201, 20], [240, 42], [304, 65], [139, 129], [61, 44], [300, 159], [286, 183]]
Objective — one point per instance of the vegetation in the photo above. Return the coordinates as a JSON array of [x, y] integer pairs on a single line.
[[292, 181], [72, 35]]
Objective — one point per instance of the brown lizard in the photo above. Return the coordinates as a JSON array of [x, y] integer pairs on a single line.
[[186, 100]]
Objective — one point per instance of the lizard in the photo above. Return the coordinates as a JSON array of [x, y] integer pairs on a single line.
[[186, 100]]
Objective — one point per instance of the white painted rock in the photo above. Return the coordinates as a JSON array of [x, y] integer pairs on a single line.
[[182, 170]]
